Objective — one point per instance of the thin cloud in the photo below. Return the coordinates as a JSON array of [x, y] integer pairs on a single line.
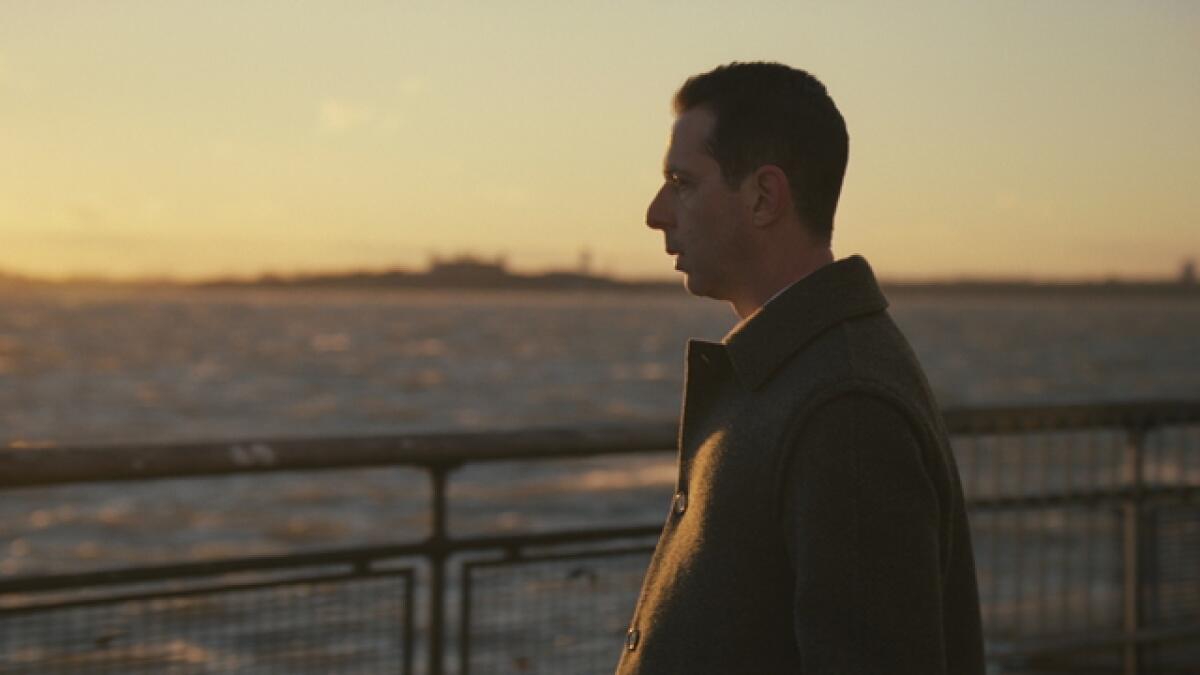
[[338, 115], [81, 238], [88, 215]]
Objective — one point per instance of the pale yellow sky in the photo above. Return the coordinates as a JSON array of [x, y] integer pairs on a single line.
[[1052, 139]]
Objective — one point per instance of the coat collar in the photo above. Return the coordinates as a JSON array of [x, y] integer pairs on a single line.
[[757, 346]]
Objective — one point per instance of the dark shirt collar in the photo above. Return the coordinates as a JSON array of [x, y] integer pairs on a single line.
[[757, 346]]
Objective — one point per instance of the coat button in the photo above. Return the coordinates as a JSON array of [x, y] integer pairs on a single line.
[[631, 639], [680, 502]]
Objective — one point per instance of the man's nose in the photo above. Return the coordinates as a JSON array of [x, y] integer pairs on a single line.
[[658, 214]]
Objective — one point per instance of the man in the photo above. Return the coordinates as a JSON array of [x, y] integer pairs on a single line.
[[818, 525]]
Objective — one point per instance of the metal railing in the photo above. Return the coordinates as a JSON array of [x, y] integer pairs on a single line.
[[1085, 522]]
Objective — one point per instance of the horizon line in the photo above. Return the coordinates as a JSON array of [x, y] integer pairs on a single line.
[[267, 276]]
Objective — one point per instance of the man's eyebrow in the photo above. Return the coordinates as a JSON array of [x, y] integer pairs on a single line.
[[670, 170]]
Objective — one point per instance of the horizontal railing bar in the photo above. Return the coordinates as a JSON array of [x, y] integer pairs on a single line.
[[343, 556], [201, 568], [1074, 417], [22, 466], [527, 559], [53, 465], [406, 574], [458, 545], [1115, 496]]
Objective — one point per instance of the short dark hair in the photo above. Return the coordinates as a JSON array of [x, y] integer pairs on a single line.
[[769, 113]]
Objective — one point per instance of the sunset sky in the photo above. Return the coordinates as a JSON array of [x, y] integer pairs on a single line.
[[1047, 139]]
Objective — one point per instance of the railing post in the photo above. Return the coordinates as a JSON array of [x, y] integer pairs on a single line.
[[1131, 548], [437, 568]]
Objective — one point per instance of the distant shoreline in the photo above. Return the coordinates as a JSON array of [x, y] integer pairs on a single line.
[[1057, 288], [471, 273], [576, 283]]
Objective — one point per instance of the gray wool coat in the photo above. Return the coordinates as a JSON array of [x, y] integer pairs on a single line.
[[818, 524]]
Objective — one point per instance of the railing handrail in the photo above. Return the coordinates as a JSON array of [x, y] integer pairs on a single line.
[[287, 560], [31, 466]]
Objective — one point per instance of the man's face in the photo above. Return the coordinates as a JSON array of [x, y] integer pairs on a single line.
[[704, 222]]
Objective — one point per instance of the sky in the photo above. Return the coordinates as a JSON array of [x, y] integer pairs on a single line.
[[192, 139]]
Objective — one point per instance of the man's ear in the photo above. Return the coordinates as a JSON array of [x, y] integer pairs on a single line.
[[771, 193]]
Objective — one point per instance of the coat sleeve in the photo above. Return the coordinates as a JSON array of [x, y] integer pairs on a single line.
[[860, 520]]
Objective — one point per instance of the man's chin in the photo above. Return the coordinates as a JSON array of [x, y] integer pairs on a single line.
[[698, 286]]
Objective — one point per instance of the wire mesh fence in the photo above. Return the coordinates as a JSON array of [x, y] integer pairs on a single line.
[[548, 614], [1087, 544], [333, 624]]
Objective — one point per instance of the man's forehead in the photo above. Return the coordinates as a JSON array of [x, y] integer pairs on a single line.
[[689, 136], [693, 125]]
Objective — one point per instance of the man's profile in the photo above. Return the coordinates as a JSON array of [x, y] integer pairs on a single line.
[[818, 523]]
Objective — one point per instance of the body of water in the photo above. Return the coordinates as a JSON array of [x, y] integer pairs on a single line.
[[112, 366]]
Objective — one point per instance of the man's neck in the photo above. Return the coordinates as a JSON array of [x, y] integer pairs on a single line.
[[777, 279]]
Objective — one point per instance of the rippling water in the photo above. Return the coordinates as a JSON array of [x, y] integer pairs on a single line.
[[79, 366]]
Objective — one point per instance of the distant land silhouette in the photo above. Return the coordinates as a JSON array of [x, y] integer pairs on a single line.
[[473, 273], [462, 272]]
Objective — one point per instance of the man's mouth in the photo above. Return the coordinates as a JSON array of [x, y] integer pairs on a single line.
[[672, 251]]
